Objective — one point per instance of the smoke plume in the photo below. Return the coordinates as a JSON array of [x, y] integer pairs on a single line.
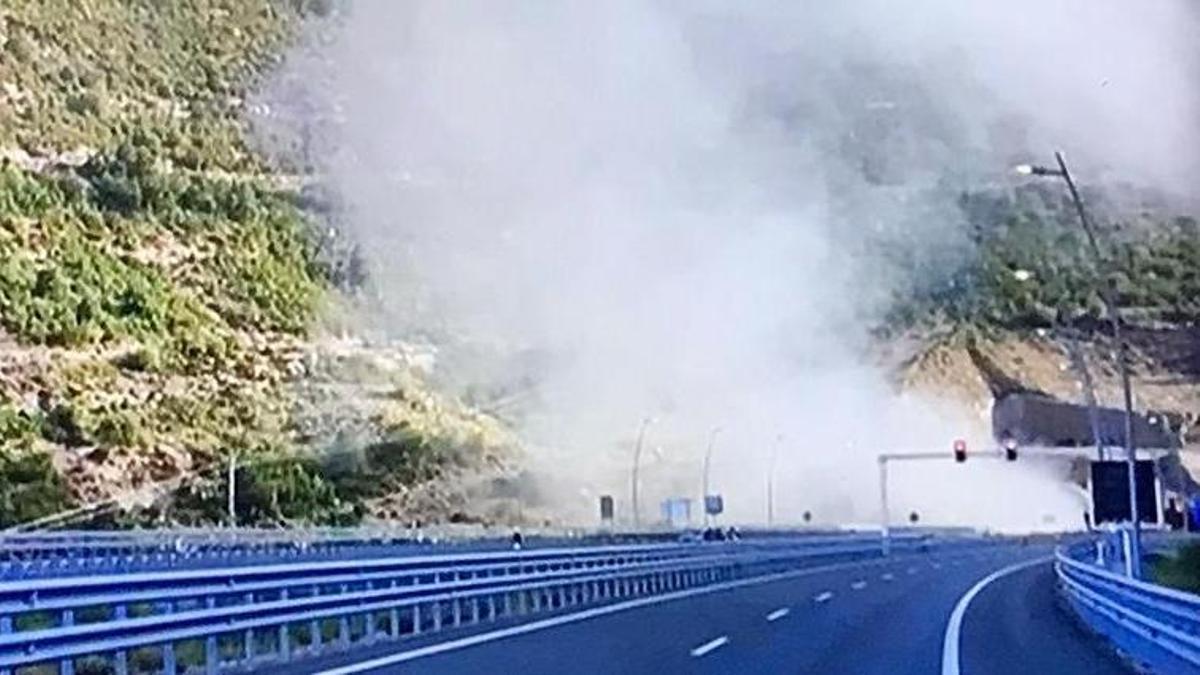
[[694, 212]]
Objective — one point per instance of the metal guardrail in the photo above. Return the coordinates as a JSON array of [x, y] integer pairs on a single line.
[[236, 617], [58, 554], [1155, 626]]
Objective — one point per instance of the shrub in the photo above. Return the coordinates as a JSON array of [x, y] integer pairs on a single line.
[[29, 486]]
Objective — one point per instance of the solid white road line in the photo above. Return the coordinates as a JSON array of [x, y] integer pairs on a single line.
[[824, 597], [551, 622], [778, 614], [858, 585], [950, 646], [709, 646]]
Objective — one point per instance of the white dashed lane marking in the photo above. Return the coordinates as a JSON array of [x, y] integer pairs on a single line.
[[709, 646], [778, 614], [858, 585], [824, 597]]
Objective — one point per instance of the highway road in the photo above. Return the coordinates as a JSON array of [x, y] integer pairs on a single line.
[[975, 612]]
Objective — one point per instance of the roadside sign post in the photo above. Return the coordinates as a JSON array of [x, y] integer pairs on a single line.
[[606, 510], [714, 505]]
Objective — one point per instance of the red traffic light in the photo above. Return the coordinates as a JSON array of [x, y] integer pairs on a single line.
[[960, 450]]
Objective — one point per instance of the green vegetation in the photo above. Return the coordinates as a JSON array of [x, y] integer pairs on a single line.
[[1180, 570], [139, 234], [91, 73], [32, 486], [1029, 267]]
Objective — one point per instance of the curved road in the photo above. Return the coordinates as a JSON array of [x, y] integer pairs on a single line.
[[882, 616]]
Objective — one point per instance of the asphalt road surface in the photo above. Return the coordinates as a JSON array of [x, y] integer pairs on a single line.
[[884, 616]]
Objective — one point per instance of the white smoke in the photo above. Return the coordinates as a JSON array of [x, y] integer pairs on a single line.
[[691, 211]]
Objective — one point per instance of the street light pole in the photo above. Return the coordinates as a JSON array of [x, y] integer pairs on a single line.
[[637, 458], [712, 439], [885, 534], [231, 489], [1108, 296], [771, 481]]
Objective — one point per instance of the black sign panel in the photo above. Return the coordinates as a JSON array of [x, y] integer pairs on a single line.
[[606, 507], [1110, 492]]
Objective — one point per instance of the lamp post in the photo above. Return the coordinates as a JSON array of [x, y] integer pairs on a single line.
[[771, 480], [712, 439], [231, 489], [1108, 295], [637, 457]]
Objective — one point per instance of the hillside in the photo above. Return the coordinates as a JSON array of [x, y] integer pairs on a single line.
[[172, 302], [1023, 311], [162, 295]]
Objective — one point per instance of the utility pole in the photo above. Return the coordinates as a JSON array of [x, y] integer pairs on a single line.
[[1109, 297]]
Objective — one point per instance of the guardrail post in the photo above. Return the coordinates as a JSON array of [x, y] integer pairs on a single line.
[[285, 643], [416, 619], [436, 608], [248, 635], [344, 624], [456, 612], [394, 623], [474, 609], [314, 635], [370, 618], [212, 658], [67, 666], [121, 657], [5, 629], [314, 626], [168, 659]]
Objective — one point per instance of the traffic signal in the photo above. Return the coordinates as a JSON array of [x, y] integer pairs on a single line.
[[960, 451], [1010, 449]]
